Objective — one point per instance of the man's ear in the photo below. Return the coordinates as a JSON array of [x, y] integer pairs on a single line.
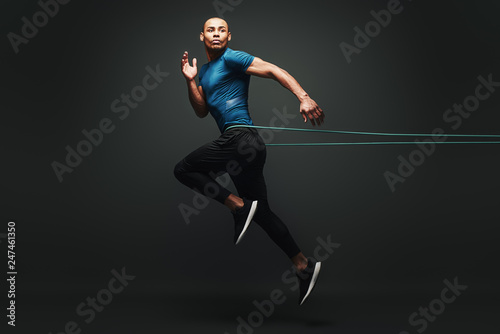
[[202, 37], [229, 36]]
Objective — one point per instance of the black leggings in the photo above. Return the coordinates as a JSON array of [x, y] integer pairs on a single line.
[[241, 153]]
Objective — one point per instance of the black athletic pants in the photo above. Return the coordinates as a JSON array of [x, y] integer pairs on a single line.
[[240, 152]]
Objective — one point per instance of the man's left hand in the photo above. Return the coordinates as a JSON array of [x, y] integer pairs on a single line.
[[310, 109]]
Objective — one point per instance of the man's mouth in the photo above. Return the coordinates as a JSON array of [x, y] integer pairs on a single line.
[[215, 41]]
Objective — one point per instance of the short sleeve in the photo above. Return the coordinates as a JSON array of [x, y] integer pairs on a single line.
[[239, 61]]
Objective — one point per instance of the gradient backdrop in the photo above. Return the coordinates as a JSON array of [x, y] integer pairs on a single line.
[[119, 208]]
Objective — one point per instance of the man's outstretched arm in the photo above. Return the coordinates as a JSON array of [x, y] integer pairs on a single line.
[[308, 107], [196, 96]]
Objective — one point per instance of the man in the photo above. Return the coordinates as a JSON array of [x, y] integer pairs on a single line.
[[240, 151]]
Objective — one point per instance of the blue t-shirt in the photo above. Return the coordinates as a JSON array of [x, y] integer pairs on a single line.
[[225, 85]]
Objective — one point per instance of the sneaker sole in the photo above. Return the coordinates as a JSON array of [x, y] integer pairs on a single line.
[[317, 268], [253, 208]]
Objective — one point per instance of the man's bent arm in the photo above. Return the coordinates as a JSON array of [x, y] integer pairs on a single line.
[[265, 69], [308, 107], [196, 98]]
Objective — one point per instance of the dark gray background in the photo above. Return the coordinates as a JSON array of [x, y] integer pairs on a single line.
[[119, 207]]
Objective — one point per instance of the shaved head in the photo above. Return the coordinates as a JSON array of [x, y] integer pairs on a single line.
[[215, 22], [215, 36]]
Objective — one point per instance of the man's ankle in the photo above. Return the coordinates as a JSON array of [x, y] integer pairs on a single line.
[[234, 203], [300, 267], [300, 262]]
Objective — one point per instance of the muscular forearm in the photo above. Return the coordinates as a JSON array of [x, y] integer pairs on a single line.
[[196, 100], [308, 107], [289, 82]]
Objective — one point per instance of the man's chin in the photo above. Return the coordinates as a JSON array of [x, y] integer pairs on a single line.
[[216, 47]]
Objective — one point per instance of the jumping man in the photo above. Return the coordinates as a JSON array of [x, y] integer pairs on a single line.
[[240, 151]]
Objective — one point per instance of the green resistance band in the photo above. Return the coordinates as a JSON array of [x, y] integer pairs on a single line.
[[373, 134]]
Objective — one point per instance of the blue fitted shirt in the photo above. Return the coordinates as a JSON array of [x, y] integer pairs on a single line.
[[225, 85]]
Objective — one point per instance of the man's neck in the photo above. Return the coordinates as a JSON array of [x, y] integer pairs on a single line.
[[213, 54]]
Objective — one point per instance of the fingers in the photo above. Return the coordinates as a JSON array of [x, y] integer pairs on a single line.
[[319, 115], [307, 114], [322, 114], [311, 118], [315, 116], [303, 116], [310, 109], [185, 58]]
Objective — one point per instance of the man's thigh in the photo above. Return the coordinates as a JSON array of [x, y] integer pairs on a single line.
[[213, 156]]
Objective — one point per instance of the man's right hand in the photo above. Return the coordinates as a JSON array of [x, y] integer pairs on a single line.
[[189, 71]]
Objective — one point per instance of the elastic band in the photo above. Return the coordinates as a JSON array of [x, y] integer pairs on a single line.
[[373, 134], [383, 143]]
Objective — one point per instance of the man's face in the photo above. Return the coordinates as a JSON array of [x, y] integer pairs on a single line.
[[215, 34]]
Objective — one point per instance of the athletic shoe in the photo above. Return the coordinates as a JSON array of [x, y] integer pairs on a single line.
[[242, 218], [307, 279]]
